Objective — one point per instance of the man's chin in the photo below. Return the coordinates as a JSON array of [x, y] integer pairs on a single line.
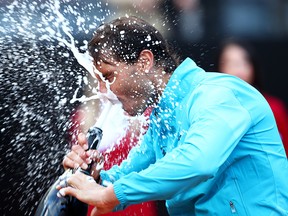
[[133, 113], [129, 113]]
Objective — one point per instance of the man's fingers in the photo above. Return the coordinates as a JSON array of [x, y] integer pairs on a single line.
[[95, 155], [82, 140], [62, 180], [67, 191], [69, 164], [67, 181], [79, 150], [73, 160]]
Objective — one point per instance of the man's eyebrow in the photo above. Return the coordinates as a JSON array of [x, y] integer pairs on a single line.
[[106, 61]]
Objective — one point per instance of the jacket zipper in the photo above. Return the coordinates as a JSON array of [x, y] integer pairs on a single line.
[[232, 207]]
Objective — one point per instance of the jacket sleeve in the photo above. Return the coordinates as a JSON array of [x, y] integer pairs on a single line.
[[215, 129]]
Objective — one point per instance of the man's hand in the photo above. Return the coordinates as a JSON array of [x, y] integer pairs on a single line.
[[80, 157], [85, 189]]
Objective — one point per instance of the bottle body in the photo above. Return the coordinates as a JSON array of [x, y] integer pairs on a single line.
[[52, 205]]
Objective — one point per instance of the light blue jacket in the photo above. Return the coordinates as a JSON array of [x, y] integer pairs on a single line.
[[212, 148]]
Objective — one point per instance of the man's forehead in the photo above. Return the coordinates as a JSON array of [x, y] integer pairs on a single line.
[[104, 56]]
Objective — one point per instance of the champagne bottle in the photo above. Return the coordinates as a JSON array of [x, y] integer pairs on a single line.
[[52, 205]]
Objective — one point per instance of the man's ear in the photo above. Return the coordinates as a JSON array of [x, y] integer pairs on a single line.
[[146, 60]]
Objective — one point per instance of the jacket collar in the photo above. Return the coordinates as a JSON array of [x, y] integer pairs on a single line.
[[183, 80]]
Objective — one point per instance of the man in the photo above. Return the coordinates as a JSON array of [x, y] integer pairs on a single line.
[[212, 147]]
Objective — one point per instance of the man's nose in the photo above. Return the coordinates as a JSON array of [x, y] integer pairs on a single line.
[[102, 87]]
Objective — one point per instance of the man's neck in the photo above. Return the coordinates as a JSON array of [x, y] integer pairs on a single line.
[[160, 83]]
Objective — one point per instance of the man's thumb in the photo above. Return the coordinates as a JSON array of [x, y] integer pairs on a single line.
[[94, 212]]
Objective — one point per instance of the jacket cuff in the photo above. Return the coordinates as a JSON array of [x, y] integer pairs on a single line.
[[118, 190]]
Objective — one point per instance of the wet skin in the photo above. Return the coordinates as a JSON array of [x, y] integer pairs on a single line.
[[136, 86]]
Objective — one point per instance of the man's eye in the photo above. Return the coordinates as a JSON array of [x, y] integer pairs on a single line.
[[109, 77]]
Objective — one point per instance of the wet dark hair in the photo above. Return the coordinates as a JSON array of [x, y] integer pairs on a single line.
[[252, 57], [124, 38]]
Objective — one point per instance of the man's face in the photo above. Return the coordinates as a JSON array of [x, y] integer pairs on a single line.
[[130, 83]]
